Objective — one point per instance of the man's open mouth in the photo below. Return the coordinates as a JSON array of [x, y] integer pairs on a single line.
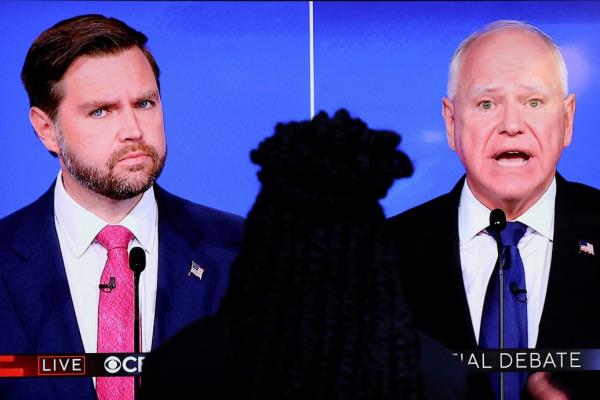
[[512, 158]]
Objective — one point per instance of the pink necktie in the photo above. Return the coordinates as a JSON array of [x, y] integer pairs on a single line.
[[116, 310]]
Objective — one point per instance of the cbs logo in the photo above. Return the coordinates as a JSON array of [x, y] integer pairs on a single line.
[[130, 364]]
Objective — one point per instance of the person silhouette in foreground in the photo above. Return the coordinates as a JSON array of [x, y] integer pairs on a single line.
[[314, 308]]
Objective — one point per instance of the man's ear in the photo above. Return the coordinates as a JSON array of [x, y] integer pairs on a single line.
[[448, 114], [44, 129], [569, 119]]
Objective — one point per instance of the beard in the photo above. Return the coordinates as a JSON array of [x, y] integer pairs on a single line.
[[106, 182]]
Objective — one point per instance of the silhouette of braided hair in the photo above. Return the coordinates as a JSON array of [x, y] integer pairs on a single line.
[[321, 312]]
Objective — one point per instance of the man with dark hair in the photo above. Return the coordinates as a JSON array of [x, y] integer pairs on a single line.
[[508, 116], [65, 284]]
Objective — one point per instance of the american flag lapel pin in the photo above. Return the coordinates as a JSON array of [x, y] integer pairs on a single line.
[[586, 247], [196, 270]]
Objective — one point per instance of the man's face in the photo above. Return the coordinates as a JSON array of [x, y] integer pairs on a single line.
[[109, 125], [509, 120]]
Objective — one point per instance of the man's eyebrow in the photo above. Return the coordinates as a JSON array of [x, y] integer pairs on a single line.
[[535, 88], [95, 104], [531, 87], [484, 89], [150, 94]]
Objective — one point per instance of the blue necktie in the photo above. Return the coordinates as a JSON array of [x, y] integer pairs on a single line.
[[515, 310]]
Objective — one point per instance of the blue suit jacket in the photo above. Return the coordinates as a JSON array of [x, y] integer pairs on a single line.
[[36, 310]]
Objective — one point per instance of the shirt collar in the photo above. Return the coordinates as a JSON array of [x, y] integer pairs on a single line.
[[474, 217], [540, 216], [80, 226]]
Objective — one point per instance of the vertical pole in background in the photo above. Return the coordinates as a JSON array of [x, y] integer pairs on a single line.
[[311, 34]]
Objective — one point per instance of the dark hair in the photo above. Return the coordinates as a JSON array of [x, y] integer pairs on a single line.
[[57, 48], [320, 304]]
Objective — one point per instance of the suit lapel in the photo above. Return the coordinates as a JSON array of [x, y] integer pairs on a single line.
[[451, 308], [182, 297], [39, 289], [462, 333], [574, 275], [429, 258]]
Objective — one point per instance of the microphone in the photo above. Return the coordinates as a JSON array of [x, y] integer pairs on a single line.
[[137, 260], [108, 287], [497, 225], [497, 221], [514, 289], [521, 293], [137, 263]]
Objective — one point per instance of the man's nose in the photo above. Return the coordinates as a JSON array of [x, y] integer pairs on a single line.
[[512, 119], [130, 127]]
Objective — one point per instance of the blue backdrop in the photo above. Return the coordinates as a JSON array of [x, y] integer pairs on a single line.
[[387, 62], [231, 71]]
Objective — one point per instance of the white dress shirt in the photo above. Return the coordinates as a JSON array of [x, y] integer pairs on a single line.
[[478, 254], [84, 259]]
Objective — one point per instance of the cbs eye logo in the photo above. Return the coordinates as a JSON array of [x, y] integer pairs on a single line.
[[130, 364], [112, 365]]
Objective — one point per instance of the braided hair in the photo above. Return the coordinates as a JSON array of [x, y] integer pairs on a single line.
[[319, 307]]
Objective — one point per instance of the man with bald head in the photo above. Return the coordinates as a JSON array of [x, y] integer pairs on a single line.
[[508, 116]]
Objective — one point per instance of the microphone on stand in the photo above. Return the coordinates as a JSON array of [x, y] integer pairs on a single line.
[[497, 222], [497, 225], [137, 263]]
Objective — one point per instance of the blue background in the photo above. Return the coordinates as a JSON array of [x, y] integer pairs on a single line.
[[231, 71]]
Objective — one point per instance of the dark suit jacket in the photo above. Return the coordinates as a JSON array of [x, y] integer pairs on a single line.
[[36, 310], [427, 239]]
